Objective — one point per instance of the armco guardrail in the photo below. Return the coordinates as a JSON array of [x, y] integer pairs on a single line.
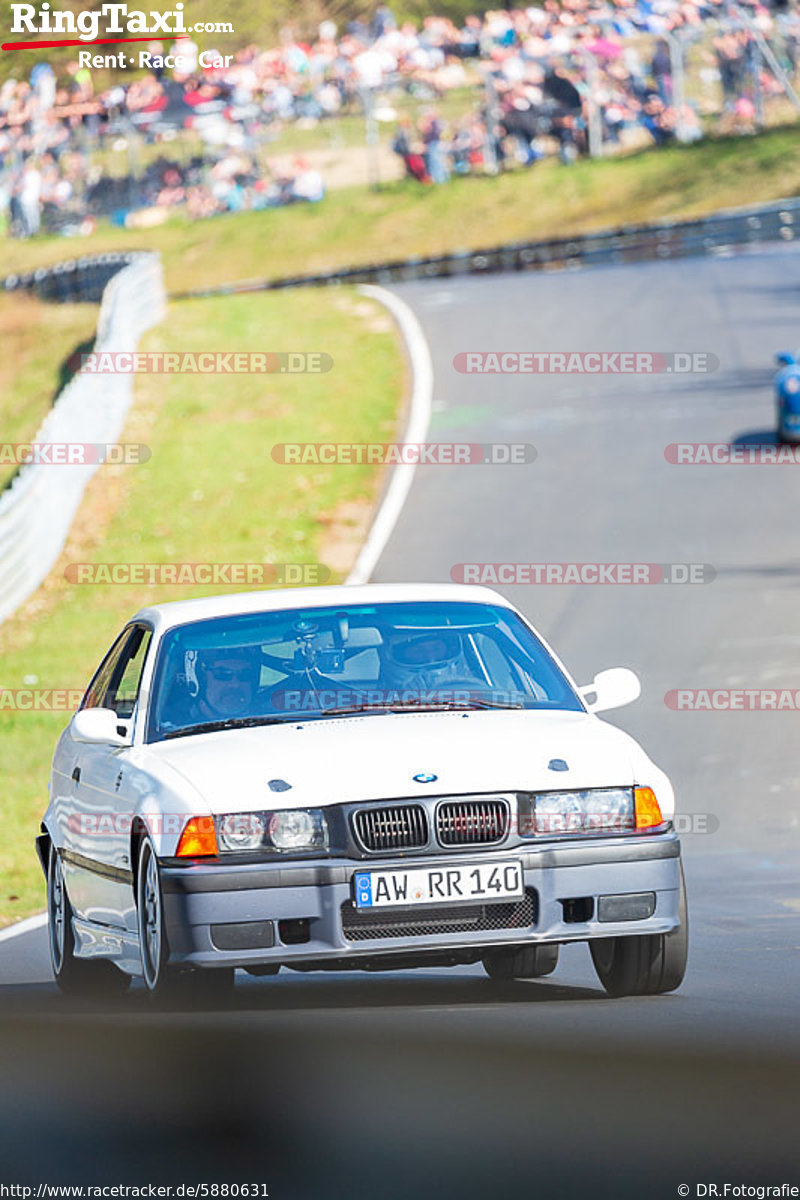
[[38, 506], [638, 243], [78, 279]]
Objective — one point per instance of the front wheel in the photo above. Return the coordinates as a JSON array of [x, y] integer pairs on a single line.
[[161, 981], [150, 910], [74, 976], [644, 966]]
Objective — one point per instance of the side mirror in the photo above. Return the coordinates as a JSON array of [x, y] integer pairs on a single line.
[[98, 726], [613, 688], [785, 359]]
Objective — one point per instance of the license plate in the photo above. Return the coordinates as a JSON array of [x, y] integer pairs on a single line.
[[439, 885]]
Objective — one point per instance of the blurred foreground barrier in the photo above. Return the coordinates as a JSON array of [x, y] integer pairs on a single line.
[[312, 1105], [38, 506], [635, 243]]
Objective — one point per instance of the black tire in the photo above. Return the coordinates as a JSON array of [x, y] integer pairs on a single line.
[[162, 981], [521, 962], [644, 966], [74, 976], [153, 949]]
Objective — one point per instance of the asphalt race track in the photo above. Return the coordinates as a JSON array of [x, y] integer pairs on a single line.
[[702, 1077]]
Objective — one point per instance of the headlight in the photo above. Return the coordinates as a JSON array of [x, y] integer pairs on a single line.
[[594, 811], [298, 829], [292, 829], [241, 831]]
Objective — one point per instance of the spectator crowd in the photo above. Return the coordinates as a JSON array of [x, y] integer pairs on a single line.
[[547, 79]]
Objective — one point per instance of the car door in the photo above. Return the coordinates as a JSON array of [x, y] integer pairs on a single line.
[[97, 840]]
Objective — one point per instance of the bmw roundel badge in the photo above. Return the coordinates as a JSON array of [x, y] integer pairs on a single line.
[[425, 777]]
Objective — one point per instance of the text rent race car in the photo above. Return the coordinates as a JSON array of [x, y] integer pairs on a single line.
[[354, 777]]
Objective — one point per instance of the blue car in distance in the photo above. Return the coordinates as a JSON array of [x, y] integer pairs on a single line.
[[787, 397]]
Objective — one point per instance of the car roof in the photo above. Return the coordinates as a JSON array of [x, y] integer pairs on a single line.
[[181, 612]]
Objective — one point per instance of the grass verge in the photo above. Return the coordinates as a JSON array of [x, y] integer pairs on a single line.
[[211, 492], [355, 226], [37, 341]]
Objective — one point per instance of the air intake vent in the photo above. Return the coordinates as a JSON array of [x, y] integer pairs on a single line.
[[362, 926], [395, 827], [472, 822]]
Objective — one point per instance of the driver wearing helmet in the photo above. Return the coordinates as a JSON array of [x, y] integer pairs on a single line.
[[422, 661], [221, 683]]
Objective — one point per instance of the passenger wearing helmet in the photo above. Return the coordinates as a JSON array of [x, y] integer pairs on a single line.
[[423, 661]]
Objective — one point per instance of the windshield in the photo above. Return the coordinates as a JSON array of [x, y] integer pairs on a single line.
[[317, 663]]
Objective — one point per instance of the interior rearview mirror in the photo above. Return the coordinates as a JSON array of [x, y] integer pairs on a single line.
[[613, 688]]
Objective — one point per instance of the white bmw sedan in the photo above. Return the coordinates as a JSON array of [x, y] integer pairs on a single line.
[[369, 778]]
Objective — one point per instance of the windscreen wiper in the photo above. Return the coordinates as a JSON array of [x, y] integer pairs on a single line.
[[345, 710], [396, 706], [229, 723], [436, 705]]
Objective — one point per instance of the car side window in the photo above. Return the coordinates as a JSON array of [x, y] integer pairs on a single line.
[[123, 691], [93, 697], [116, 684]]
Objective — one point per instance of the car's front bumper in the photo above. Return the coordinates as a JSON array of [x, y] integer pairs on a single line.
[[788, 421], [234, 915]]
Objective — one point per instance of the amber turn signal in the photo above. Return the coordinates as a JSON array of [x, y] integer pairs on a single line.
[[199, 838], [648, 813]]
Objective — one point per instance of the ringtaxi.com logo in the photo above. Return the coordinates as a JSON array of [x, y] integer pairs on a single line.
[[555, 574], [97, 24]]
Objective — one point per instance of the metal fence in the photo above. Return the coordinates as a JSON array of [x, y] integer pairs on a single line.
[[38, 506], [78, 279], [635, 243]]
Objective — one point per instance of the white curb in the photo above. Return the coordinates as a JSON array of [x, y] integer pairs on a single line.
[[26, 926], [416, 431]]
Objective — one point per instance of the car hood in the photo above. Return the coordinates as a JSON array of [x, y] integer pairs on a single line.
[[377, 756]]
